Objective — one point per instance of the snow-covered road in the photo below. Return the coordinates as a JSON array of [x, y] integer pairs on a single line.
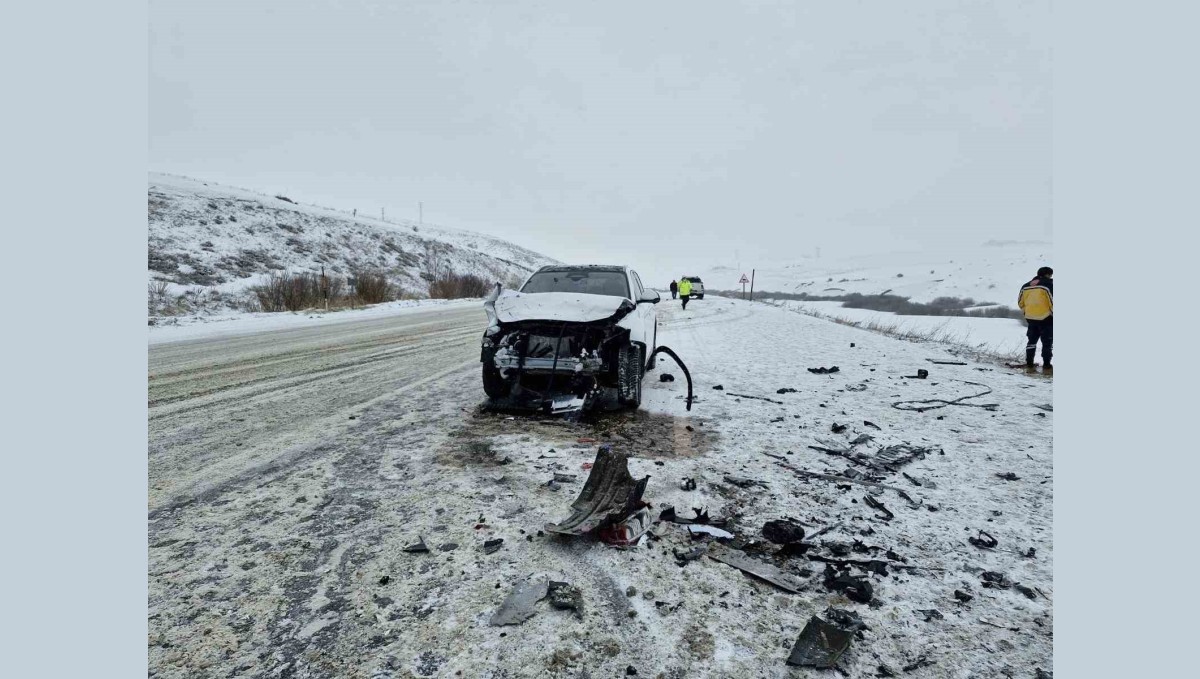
[[277, 524]]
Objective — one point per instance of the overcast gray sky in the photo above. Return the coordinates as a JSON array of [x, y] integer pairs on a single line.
[[667, 135]]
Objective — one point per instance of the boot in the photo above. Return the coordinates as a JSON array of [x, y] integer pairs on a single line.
[[1029, 353]]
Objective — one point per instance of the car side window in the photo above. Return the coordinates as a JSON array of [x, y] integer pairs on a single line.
[[638, 290]]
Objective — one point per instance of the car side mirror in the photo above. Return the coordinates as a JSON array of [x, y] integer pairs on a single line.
[[650, 296]]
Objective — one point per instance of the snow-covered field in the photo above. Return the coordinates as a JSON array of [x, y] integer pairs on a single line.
[[1004, 337], [295, 564], [991, 272], [204, 237]]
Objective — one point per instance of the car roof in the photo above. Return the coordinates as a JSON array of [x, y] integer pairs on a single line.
[[583, 267]]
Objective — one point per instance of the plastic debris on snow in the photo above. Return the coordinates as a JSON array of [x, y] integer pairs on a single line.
[[757, 569], [783, 531], [519, 605], [610, 497], [823, 641], [823, 370], [698, 529]]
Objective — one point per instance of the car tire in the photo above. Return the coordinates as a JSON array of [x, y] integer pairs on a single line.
[[494, 385], [630, 370], [700, 296]]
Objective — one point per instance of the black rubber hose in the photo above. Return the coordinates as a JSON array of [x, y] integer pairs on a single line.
[[688, 375]]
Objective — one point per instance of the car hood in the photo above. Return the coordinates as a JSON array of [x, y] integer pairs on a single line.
[[514, 307]]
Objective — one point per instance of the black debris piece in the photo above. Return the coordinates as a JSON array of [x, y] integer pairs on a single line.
[[682, 558], [823, 370], [609, 496], [962, 596], [743, 482], [868, 423], [1045, 406], [878, 506], [666, 377], [984, 540], [757, 569], [1040, 673], [854, 587], [1030, 554], [894, 556], [448, 547], [937, 362], [565, 597], [490, 546], [920, 662], [838, 428], [995, 580], [719, 387], [794, 549], [892, 458], [885, 671], [519, 605], [777, 419], [629, 671], [861, 438], [922, 405], [783, 531], [385, 579], [689, 484], [823, 641], [756, 398], [1008, 476], [420, 546], [701, 518], [931, 614], [907, 498], [1027, 591], [837, 548], [785, 390], [564, 478], [869, 565]]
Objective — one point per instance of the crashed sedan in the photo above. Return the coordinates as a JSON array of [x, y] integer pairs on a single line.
[[569, 333]]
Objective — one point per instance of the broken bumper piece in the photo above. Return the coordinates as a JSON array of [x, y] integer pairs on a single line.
[[610, 499], [562, 366]]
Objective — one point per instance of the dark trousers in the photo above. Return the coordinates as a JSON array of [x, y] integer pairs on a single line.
[[1040, 330], [685, 299], [673, 293]]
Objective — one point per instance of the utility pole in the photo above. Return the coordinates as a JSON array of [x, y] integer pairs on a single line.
[[382, 215], [421, 213], [751, 285]]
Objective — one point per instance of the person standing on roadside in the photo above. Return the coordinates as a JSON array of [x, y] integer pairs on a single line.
[[1037, 301], [674, 289], [685, 290]]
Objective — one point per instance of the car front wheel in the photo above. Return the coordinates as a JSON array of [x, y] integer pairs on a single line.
[[631, 367]]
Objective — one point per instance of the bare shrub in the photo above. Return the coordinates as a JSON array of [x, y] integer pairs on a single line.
[[284, 291], [450, 285], [373, 287]]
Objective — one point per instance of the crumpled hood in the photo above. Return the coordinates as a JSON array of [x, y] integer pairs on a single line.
[[513, 307]]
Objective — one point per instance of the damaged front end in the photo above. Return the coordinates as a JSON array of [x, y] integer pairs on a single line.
[[556, 363]]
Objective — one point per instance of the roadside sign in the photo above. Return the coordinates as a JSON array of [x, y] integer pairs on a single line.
[[744, 280]]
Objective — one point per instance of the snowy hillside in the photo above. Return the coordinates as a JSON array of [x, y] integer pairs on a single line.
[[991, 272], [226, 239]]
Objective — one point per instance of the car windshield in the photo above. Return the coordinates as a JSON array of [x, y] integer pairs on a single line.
[[610, 283]]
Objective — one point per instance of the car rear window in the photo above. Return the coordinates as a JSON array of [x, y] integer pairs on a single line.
[[612, 283]]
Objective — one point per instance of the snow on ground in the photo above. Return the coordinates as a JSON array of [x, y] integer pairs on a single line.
[[305, 575], [991, 272], [206, 237], [233, 323], [994, 336]]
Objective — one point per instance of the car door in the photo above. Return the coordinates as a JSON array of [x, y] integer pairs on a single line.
[[646, 312]]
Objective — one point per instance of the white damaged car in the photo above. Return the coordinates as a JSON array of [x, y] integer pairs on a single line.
[[569, 332]]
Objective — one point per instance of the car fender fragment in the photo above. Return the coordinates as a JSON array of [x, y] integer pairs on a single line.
[[609, 496]]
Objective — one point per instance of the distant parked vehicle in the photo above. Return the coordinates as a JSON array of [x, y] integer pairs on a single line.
[[697, 286]]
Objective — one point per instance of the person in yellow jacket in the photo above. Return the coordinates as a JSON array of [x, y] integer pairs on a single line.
[[685, 290], [1037, 301]]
